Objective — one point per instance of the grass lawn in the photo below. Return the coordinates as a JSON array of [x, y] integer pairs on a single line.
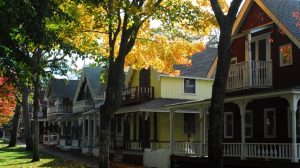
[[18, 157]]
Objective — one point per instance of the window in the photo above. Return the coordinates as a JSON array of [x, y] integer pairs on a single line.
[[285, 54], [260, 47], [119, 124], [189, 86], [270, 123], [228, 125], [189, 123], [248, 124]]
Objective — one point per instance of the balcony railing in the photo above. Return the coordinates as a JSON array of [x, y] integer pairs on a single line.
[[259, 75], [52, 109], [83, 105], [137, 94]]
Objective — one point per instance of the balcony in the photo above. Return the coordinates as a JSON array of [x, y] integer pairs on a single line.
[[241, 76], [137, 94], [82, 106], [52, 109]]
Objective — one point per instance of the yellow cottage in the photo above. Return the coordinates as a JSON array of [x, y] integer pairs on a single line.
[[142, 124]]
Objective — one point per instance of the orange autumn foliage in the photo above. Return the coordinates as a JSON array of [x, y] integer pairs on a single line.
[[7, 101]]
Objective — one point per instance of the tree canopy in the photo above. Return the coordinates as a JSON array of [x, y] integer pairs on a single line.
[[7, 101]]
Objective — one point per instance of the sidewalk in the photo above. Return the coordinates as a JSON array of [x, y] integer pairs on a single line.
[[70, 155]]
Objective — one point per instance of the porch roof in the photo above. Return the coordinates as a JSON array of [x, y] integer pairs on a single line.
[[261, 95], [156, 105]]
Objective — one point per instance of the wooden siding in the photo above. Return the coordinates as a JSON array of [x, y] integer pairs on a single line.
[[286, 76], [155, 82], [172, 87], [238, 49], [135, 79], [256, 17]]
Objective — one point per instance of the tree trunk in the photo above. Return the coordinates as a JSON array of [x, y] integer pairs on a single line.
[[215, 131], [15, 126], [104, 139], [35, 153], [26, 119]]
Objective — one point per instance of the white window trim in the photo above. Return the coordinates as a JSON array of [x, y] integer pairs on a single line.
[[225, 125], [265, 128], [256, 39], [251, 124], [280, 61], [184, 85]]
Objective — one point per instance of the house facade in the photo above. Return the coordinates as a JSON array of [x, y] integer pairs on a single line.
[[59, 96], [142, 124], [261, 116]]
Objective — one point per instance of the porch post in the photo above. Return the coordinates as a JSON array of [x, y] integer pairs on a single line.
[[249, 59], [242, 107], [95, 130], [172, 111], [293, 100], [201, 130], [89, 131], [83, 131]]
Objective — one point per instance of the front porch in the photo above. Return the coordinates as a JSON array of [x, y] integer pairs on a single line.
[[262, 126]]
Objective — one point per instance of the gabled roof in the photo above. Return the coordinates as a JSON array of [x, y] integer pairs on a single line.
[[202, 62], [280, 11], [61, 88], [92, 77]]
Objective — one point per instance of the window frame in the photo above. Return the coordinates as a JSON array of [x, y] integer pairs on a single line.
[[256, 39], [265, 128], [195, 90], [225, 124], [281, 64]]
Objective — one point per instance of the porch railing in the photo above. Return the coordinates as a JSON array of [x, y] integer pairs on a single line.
[[259, 75], [190, 148], [159, 145], [133, 145], [137, 94], [232, 149], [83, 105], [251, 150], [269, 150], [50, 139]]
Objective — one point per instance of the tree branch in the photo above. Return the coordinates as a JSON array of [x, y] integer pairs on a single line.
[[218, 11], [233, 9]]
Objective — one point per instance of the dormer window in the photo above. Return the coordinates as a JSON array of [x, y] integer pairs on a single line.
[[189, 86]]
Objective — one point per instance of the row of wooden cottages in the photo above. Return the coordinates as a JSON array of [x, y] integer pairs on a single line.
[[163, 115]]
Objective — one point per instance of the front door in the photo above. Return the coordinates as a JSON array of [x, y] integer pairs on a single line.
[[144, 131]]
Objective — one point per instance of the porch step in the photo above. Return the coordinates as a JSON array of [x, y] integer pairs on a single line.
[[118, 156]]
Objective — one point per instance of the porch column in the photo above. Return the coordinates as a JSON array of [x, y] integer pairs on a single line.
[[95, 130], [83, 131], [249, 58], [201, 129], [172, 145], [89, 131], [293, 101], [242, 106]]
